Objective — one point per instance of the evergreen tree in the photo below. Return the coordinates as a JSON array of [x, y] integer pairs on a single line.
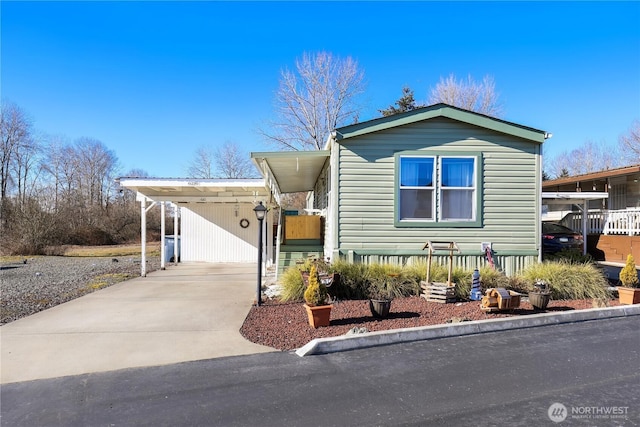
[[406, 103]]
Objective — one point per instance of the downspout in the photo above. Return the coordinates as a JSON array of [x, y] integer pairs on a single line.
[[334, 164], [547, 135]]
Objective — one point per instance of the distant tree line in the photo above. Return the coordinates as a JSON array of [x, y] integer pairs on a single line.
[[57, 192]]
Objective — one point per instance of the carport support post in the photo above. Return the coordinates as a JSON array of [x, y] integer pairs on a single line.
[[176, 237], [162, 232], [585, 232], [143, 233], [143, 237]]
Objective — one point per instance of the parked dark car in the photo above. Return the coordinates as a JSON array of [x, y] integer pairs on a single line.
[[556, 237]]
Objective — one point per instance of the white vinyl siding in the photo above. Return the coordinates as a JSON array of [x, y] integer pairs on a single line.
[[211, 232]]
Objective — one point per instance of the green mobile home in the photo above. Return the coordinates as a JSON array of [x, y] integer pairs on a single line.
[[439, 173]]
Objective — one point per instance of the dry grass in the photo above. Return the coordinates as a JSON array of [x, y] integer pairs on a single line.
[[153, 249], [113, 251]]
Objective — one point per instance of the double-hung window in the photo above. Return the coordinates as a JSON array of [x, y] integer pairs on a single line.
[[437, 189]]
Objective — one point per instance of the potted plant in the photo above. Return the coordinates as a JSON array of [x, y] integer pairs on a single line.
[[629, 292], [540, 296], [322, 269], [315, 297], [381, 293]]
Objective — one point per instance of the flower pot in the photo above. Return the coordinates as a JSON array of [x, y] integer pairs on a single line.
[[319, 315], [628, 295], [539, 300], [380, 307]]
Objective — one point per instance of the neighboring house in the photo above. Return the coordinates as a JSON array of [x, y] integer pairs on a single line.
[[613, 222], [386, 186]]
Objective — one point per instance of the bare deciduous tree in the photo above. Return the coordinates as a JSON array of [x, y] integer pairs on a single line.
[[470, 95], [590, 157], [311, 101], [26, 168], [232, 162], [227, 161], [96, 166], [15, 132], [202, 165], [629, 144]]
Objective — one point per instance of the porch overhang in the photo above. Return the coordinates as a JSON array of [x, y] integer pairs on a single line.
[[290, 171]]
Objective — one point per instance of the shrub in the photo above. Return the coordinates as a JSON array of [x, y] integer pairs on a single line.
[[629, 274], [316, 292], [572, 256], [353, 280], [568, 280], [388, 281], [291, 285]]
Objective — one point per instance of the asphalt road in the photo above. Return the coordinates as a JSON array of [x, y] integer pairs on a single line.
[[508, 378]]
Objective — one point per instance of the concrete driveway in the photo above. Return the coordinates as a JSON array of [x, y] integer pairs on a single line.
[[188, 312]]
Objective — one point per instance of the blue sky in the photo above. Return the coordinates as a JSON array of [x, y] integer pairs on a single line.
[[156, 80]]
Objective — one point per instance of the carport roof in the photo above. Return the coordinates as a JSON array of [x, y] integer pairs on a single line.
[[572, 196], [193, 190], [291, 171]]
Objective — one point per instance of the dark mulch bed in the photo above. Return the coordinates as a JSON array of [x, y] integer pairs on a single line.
[[284, 326]]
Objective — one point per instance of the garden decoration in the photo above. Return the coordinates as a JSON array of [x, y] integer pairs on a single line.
[[499, 299], [315, 296], [629, 292], [541, 295], [488, 254], [381, 294], [439, 291], [476, 291]]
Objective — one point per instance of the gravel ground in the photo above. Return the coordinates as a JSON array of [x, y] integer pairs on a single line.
[[44, 282], [284, 326]]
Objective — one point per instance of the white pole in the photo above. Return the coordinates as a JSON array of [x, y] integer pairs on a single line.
[[162, 232], [143, 238], [176, 250], [278, 235], [585, 213]]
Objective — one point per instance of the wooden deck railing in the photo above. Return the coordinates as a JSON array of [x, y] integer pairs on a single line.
[[621, 222]]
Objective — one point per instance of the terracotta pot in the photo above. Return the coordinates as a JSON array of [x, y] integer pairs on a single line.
[[380, 307], [628, 295], [319, 315], [539, 300]]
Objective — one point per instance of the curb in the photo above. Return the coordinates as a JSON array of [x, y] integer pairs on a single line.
[[421, 333]]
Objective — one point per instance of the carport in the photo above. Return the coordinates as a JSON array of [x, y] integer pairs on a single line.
[[213, 218], [579, 199]]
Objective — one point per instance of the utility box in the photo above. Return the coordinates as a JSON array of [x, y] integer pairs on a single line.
[[169, 242]]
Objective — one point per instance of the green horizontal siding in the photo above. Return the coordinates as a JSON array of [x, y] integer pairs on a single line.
[[509, 199]]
